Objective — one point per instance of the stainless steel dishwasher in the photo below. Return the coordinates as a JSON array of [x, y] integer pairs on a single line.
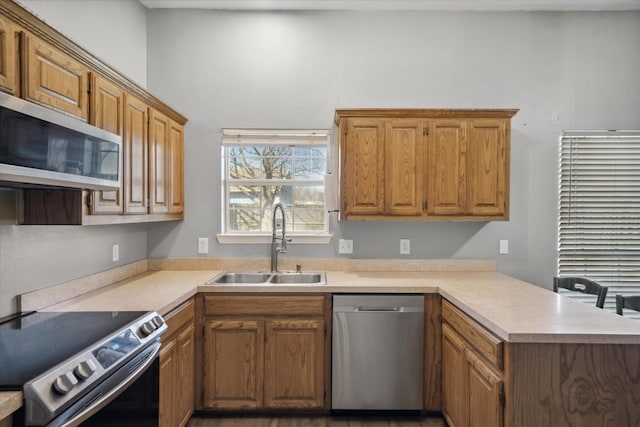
[[378, 352]]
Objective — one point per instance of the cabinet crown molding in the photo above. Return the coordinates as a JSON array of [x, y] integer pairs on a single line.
[[426, 113]]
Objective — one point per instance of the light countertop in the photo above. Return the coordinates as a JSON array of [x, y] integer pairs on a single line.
[[10, 401], [513, 310]]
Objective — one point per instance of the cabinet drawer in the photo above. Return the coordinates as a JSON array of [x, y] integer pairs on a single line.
[[178, 318], [236, 305], [484, 342]]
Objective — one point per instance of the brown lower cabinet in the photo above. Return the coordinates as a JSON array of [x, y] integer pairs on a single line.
[[487, 382], [177, 368], [264, 353], [471, 387], [472, 383]]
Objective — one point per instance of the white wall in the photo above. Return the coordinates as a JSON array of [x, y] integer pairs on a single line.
[[114, 31], [35, 257], [248, 69]]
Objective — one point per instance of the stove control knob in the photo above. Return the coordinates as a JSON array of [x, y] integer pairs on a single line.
[[85, 369], [65, 382], [147, 328], [158, 321]]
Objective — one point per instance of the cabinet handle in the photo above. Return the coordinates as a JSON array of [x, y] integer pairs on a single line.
[[425, 131]]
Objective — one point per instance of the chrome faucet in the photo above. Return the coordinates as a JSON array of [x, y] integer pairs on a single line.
[[282, 247]]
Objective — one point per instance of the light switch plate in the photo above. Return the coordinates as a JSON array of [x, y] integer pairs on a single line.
[[203, 245], [504, 247], [115, 253]]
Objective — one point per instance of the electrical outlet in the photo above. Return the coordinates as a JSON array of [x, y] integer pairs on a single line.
[[405, 246], [115, 253], [504, 247], [345, 246], [203, 245]]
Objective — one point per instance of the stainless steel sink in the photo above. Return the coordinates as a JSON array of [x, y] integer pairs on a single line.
[[240, 278], [260, 278], [299, 278]]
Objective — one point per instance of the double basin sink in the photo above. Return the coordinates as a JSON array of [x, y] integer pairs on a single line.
[[262, 278]]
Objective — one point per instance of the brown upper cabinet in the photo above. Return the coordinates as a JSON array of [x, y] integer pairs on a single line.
[[176, 169], [381, 169], [153, 158], [135, 146], [8, 55], [159, 149], [424, 164], [107, 112], [41, 65], [54, 79], [166, 160]]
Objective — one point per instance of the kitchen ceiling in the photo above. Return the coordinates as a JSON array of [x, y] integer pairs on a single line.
[[440, 5]]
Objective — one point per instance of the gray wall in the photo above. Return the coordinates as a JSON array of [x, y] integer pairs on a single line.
[[35, 257], [292, 70]]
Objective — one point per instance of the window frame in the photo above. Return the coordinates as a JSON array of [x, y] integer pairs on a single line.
[[256, 137]]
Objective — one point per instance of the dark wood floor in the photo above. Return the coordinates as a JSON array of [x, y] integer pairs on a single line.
[[319, 421]]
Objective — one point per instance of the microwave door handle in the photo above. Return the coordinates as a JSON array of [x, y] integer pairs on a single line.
[[78, 418]]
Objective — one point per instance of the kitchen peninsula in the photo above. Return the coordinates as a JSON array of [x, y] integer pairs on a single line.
[[558, 362]]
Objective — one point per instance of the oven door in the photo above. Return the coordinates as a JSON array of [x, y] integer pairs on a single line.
[[129, 397]]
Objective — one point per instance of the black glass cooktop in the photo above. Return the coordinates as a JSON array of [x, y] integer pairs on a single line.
[[32, 344]]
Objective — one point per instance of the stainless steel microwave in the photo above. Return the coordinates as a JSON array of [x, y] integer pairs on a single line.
[[43, 147]]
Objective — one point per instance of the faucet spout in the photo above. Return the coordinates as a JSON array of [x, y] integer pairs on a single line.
[[282, 247]]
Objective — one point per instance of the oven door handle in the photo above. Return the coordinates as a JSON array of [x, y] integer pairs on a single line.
[[115, 392]]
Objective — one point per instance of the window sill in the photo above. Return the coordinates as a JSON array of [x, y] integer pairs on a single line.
[[252, 239]]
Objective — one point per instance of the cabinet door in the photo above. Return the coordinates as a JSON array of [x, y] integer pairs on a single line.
[[159, 152], [135, 146], [233, 364], [176, 174], [446, 170], [485, 409], [454, 379], [403, 190], [294, 364], [168, 364], [488, 166], [184, 376], [54, 79], [362, 167], [8, 64], [107, 110]]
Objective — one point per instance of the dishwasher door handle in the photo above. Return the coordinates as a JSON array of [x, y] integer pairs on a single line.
[[373, 308]]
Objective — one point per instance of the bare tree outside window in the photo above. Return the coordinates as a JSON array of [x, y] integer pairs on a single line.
[[258, 176]]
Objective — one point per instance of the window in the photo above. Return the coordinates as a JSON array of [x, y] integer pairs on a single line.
[[599, 211], [265, 167]]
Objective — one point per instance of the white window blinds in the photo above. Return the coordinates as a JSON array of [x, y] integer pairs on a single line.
[[599, 211]]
